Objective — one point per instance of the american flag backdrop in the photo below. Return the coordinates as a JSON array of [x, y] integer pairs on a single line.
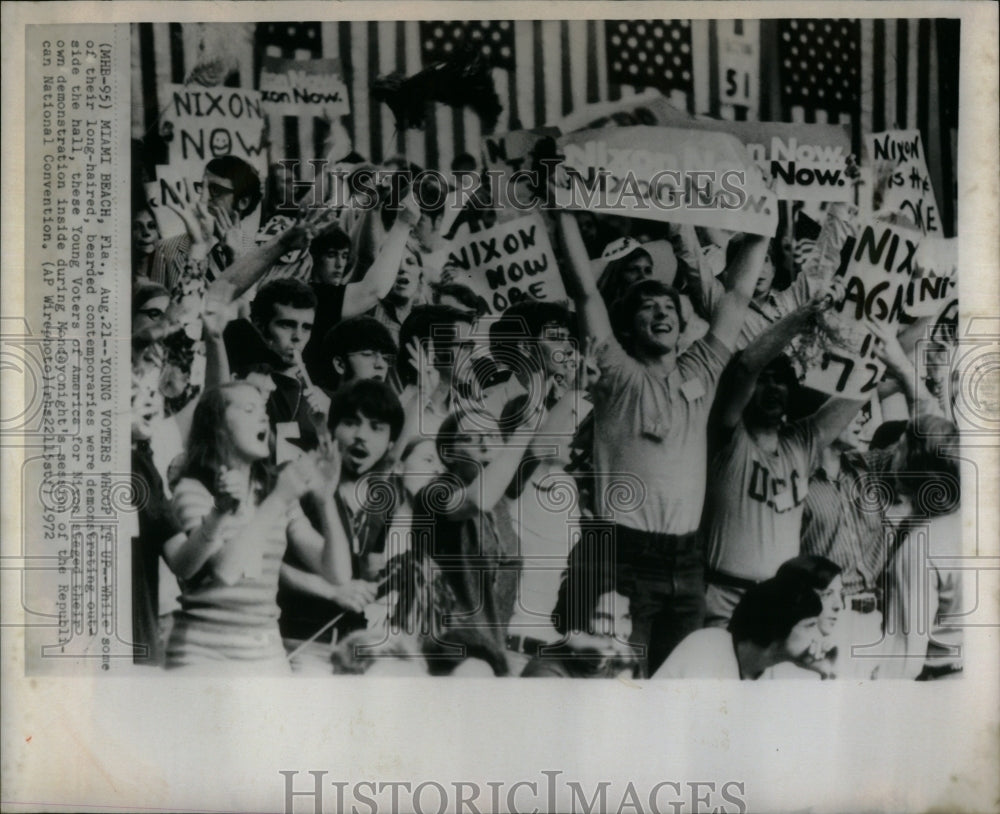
[[907, 76]]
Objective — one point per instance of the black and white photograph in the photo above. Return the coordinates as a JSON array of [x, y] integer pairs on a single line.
[[568, 348], [497, 341]]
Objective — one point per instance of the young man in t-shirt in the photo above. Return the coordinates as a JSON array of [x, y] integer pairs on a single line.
[[651, 409], [365, 419], [761, 465]]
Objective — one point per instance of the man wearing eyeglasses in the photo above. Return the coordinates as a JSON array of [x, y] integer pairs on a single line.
[[230, 190]]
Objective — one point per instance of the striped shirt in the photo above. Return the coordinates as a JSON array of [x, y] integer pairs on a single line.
[[170, 264], [251, 602], [839, 524]]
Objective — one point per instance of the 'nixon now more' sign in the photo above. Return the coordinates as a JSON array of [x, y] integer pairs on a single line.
[[507, 263]]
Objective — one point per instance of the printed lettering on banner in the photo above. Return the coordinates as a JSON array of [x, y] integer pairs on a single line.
[[313, 87], [665, 174], [201, 124], [877, 270], [507, 263]]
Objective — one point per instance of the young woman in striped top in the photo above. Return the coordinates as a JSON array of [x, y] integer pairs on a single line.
[[237, 520]]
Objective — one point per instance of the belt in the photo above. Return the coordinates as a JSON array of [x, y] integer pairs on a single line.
[[862, 602], [728, 580], [526, 645]]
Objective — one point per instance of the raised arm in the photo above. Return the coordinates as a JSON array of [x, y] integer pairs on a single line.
[[742, 274], [693, 273], [759, 353], [580, 283], [899, 366], [247, 269], [363, 295], [832, 419]]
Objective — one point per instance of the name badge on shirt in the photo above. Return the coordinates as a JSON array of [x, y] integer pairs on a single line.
[[693, 389], [783, 500]]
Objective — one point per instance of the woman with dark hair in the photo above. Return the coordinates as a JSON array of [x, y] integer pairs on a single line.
[[237, 521], [823, 576]]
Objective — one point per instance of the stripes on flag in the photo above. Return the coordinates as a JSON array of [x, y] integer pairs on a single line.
[[907, 76]]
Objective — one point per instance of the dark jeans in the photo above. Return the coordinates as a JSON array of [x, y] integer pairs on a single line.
[[663, 576]]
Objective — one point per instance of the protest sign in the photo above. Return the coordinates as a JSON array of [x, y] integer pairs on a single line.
[[665, 174], [308, 87], [877, 272], [508, 263], [201, 124], [808, 162], [908, 191], [205, 123], [935, 280], [506, 154]]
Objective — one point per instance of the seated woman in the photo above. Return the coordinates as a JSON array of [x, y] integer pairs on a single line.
[[237, 522], [593, 619], [775, 621]]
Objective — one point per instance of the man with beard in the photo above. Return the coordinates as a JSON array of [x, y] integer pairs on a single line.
[[775, 622], [365, 419], [762, 463]]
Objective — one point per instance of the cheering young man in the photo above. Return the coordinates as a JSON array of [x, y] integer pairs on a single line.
[[651, 409]]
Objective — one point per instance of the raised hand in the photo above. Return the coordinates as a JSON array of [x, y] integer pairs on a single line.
[[422, 358], [328, 463], [888, 348], [197, 221], [227, 230], [410, 212], [310, 222], [217, 310], [832, 292]]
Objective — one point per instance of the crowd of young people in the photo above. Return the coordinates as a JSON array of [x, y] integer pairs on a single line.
[[353, 467]]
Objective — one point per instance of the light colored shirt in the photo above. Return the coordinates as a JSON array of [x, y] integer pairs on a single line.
[[923, 619], [543, 517], [706, 653], [756, 499], [650, 445]]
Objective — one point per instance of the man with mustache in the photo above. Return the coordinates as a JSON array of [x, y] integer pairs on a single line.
[[762, 463]]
